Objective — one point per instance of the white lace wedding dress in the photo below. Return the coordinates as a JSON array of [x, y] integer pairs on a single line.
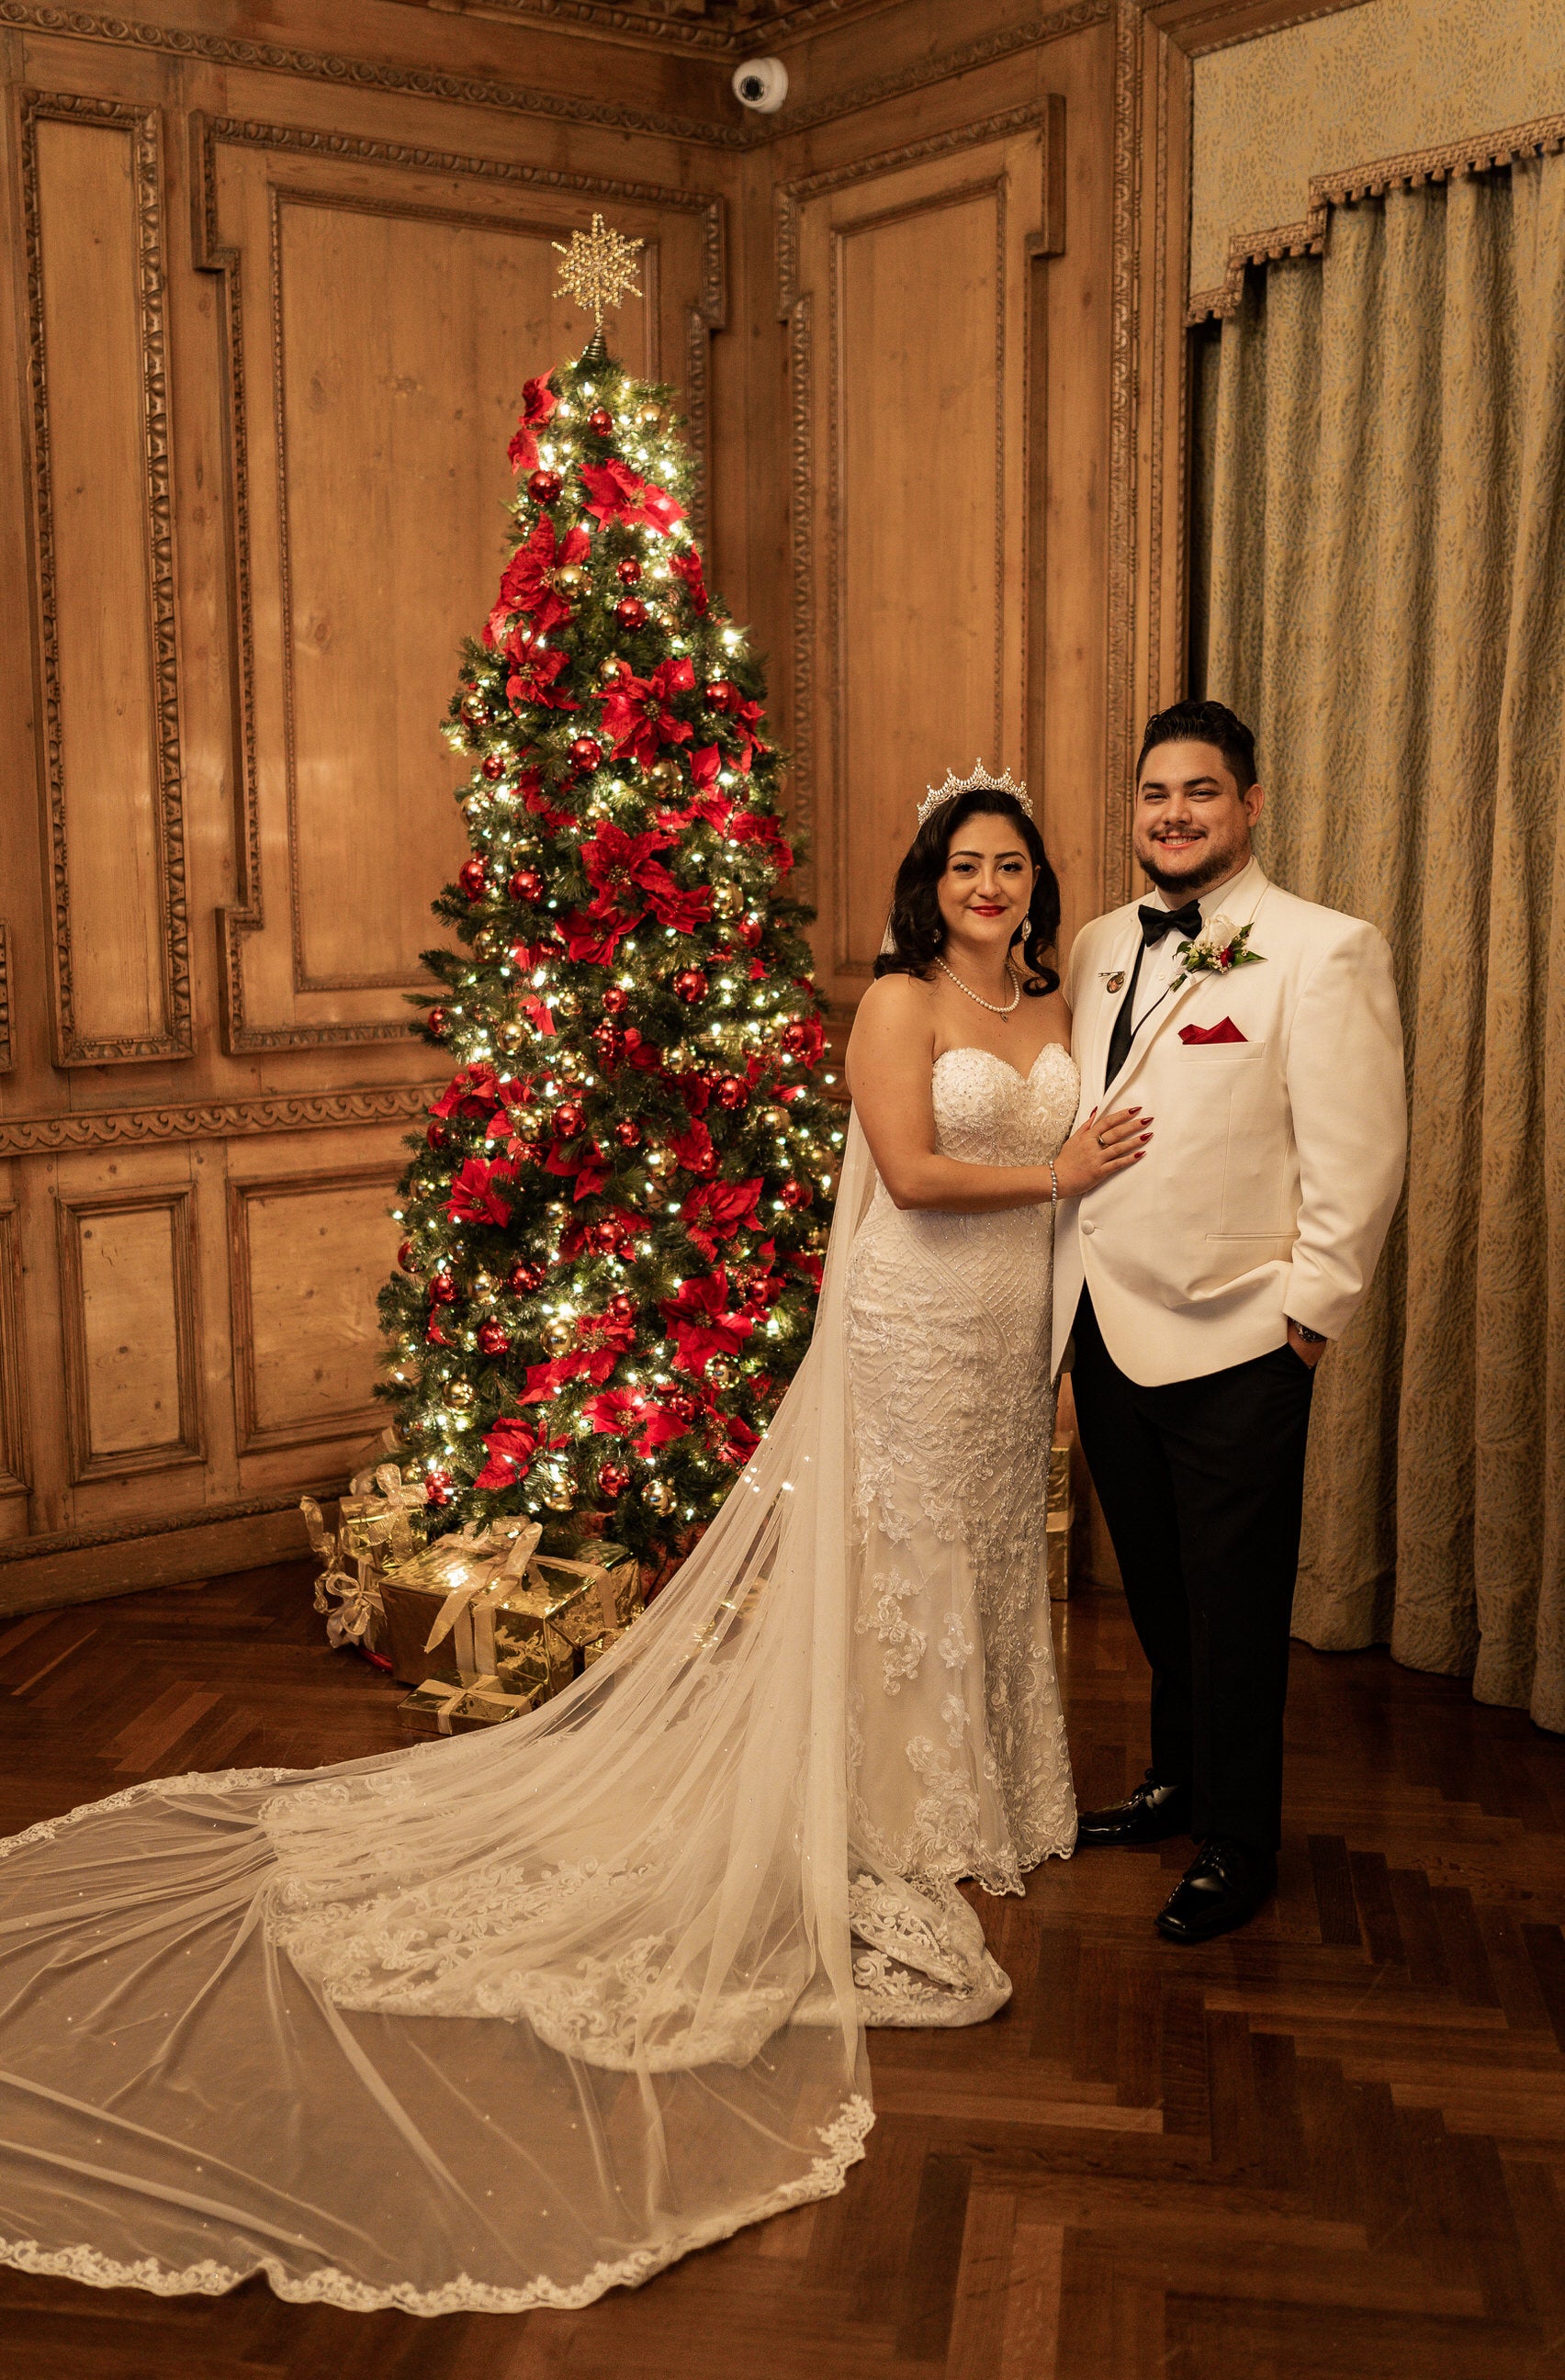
[[500, 2021]]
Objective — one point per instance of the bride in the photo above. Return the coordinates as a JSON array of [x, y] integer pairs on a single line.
[[502, 2021]]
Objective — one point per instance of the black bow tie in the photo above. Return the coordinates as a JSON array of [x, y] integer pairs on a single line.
[[1157, 922]]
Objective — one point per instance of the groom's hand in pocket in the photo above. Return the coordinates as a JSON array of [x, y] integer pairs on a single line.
[[1309, 1350]]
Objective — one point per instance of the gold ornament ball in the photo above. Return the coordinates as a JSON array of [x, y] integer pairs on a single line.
[[664, 778], [462, 1396], [659, 1497], [661, 1162], [483, 1287], [773, 1117], [527, 1123], [728, 901], [561, 1497], [681, 1057], [566, 1005], [557, 1213], [486, 943], [475, 806], [723, 1372], [510, 1036], [559, 1337], [572, 579]]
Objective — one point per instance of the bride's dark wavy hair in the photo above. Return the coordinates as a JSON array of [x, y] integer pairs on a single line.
[[918, 930]]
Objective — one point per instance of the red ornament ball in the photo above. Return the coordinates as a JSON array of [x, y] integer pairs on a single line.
[[405, 1257], [720, 692], [690, 984], [613, 1479], [627, 1132], [545, 486], [494, 1338], [439, 1486], [628, 571], [523, 1279], [474, 878], [435, 1023], [491, 766], [570, 1120], [632, 614], [600, 421], [750, 931], [795, 1038], [616, 1000], [680, 1404], [621, 1309], [731, 1093], [526, 885], [586, 752], [442, 1289], [796, 1194], [437, 1134]]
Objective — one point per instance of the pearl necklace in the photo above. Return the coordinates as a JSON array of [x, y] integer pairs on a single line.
[[993, 1009]]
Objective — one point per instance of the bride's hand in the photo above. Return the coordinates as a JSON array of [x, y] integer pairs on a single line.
[[1099, 1148]]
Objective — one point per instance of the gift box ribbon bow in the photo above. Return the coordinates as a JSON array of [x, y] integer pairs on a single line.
[[477, 1595], [358, 1607]]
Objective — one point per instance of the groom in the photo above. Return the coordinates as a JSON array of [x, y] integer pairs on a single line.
[[1259, 1036]]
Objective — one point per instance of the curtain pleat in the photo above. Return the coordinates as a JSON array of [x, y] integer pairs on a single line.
[[1384, 599]]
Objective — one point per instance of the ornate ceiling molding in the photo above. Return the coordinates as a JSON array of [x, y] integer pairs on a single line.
[[215, 1119]]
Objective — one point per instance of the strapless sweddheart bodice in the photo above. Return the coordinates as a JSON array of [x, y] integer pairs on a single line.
[[987, 1112]]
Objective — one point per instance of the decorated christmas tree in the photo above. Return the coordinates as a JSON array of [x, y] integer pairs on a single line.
[[613, 1225]]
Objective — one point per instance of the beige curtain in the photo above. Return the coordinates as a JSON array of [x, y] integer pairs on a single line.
[[1384, 598]]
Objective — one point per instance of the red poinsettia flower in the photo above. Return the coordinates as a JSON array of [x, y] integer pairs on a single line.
[[809, 1266], [643, 1054], [533, 671], [694, 1148], [636, 713], [739, 1442], [531, 583], [718, 1211], [582, 1161], [538, 402], [616, 493], [744, 718], [759, 826], [701, 1324], [510, 1446], [476, 1194], [468, 1093], [617, 1411], [686, 564]]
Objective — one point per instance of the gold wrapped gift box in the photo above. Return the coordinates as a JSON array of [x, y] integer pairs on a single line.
[[439, 1707], [491, 1604]]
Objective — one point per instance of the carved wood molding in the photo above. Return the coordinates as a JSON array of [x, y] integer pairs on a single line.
[[201, 1516], [208, 135], [350, 1422], [13, 1370], [361, 74], [1123, 429], [794, 308], [215, 1120], [188, 1445], [1476, 153], [990, 49], [7, 1056], [143, 127]]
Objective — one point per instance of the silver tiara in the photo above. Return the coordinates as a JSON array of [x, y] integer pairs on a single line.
[[979, 782]]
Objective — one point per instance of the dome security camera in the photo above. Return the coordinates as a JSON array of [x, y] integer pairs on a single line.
[[761, 84]]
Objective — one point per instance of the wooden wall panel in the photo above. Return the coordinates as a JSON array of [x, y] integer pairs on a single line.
[[382, 316], [308, 1254], [102, 538], [13, 1369], [127, 1291], [913, 500]]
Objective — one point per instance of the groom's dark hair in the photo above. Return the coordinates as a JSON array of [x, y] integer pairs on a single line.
[[1203, 722]]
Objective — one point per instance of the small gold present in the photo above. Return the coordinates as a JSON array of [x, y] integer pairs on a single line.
[[440, 1708], [382, 1515], [1057, 1546], [436, 1598], [347, 1590]]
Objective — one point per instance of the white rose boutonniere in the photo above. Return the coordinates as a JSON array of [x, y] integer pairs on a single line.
[[1220, 946]]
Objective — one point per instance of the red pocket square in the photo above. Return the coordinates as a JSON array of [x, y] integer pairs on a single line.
[[1227, 1031]]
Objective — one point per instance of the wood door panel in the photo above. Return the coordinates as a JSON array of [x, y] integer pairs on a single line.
[[308, 1254], [920, 661], [382, 316], [105, 579], [127, 1290], [905, 282]]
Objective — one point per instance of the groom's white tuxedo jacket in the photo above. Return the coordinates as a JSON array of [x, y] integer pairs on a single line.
[[1276, 1160]]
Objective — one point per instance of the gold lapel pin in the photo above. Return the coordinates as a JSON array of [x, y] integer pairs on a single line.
[[1116, 981]]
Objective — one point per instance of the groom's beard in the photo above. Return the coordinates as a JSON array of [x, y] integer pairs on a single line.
[[1212, 868]]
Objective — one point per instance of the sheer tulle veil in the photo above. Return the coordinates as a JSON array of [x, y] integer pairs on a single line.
[[497, 2022]]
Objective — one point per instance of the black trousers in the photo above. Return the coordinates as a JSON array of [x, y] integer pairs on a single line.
[[1201, 1483]]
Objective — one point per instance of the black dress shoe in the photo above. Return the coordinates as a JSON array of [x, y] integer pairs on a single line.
[[1224, 1889], [1152, 1813]]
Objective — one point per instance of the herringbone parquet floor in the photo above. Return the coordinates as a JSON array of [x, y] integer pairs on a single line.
[[1333, 2145]]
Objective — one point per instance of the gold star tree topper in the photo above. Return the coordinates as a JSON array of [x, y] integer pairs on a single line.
[[600, 266]]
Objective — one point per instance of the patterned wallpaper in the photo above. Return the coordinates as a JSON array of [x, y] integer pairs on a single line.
[[1376, 81]]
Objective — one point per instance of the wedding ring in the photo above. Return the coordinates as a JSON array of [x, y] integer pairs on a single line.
[[1101, 1142]]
